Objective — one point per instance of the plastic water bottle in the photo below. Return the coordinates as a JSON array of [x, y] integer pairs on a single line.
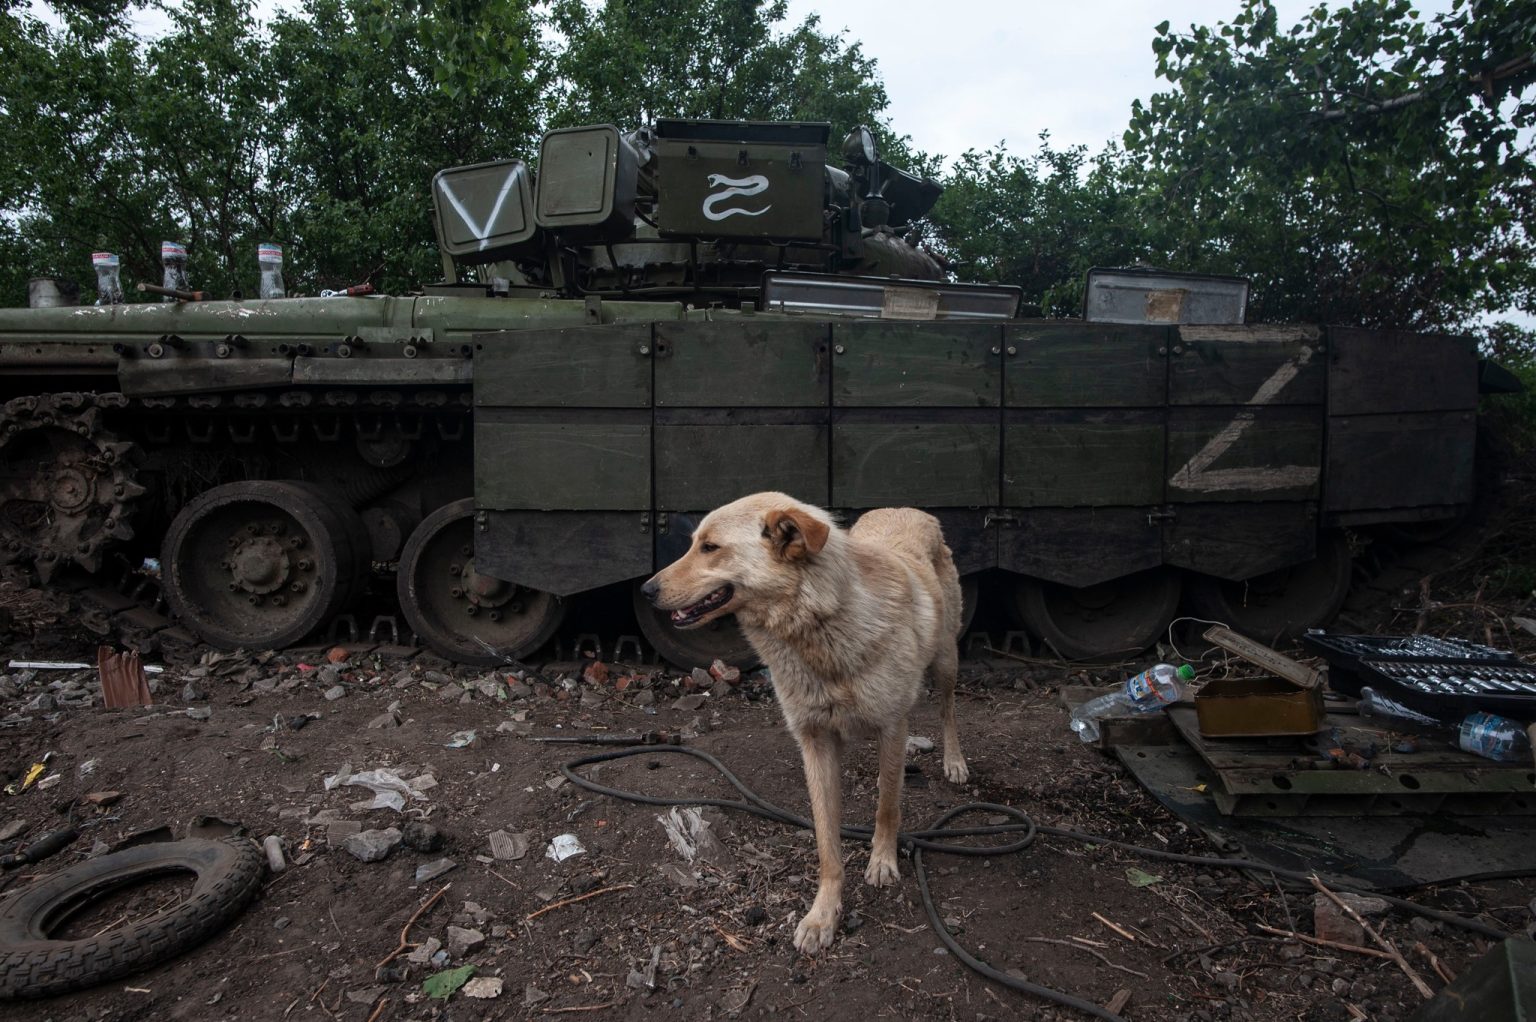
[[109, 283], [1494, 737], [173, 263], [269, 258], [1152, 689]]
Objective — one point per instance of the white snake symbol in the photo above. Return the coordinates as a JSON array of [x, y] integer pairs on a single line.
[[753, 185]]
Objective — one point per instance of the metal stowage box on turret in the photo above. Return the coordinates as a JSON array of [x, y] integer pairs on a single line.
[[728, 179]]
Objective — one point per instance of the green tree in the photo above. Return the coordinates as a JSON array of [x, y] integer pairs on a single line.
[[626, 62], [1363, 167]]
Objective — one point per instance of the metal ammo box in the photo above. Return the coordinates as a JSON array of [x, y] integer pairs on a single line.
[[735, 179]]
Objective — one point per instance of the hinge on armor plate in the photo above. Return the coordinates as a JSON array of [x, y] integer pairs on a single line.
[[661, 523], [1166, 514], [645, 522], [999, 518]]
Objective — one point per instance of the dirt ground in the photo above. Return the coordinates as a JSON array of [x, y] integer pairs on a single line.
[[251, 740], [718, 930]]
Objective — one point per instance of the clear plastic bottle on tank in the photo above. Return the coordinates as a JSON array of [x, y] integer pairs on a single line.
[[109, 283], [173, 263], [269, 258], [1483, 734], [1156, 687]]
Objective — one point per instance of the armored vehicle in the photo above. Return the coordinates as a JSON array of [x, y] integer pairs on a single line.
[[662, 320]]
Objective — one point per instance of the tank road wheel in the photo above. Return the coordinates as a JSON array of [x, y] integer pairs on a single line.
[[66, 484], [1279, 605], [721, 639], [1108, 621], [462, 614], [261, 565]]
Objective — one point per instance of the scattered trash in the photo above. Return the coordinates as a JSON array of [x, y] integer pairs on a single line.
[[1158, 686], [461, 740], [422, 953], [645, 978], [123, 683], [389, 790], [434, 869], [563, 847], [509, 846], [71, 665], [464, 941], [273, 846], [483, 987], [42, 848], [442, 985], [690, 833], [200, 712], [30, 777], [49, 781]]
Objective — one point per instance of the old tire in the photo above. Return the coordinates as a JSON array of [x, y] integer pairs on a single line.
[[1280, 605], [229, 874]]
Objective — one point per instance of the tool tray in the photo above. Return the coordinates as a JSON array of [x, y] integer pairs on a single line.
[[1444, 678]]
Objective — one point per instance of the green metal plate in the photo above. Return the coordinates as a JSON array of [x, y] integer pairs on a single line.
[[1419, 459], [709, 465], [746, 362], [577, 367], [905, 365], [1080, 546], [1239, 541], [1247, 365], [1095, 365], [578, 461], [1075, 459], [933, 463], [1243, 454]]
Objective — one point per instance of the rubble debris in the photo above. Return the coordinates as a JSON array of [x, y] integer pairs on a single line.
[[123, 681], [563, 847], [273, 846], [461, 740], [419, 836], [389, 790], [483, 987], [509, 846], [434, 869], [463, 941], [691, 835], [422, 953], [918, 743], [373, 845]]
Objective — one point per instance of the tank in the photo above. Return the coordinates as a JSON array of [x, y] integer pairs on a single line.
[[658, 322]]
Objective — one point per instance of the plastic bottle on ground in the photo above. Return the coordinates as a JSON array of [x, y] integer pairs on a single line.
[[1152, 689]]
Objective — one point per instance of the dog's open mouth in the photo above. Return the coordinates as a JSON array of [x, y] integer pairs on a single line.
[[714, 601]]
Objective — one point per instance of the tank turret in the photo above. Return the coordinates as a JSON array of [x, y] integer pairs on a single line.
[[682, 208]]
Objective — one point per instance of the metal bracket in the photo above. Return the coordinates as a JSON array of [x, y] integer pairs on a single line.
[[1166, 514]]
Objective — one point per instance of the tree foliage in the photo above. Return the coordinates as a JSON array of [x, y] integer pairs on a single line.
[[1363, 166]]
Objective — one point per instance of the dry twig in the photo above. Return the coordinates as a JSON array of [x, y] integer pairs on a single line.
[[1442, 970], [406, 931], [1122, 931], [571, 901], [1320, 942], [1385, 944], [1097, 954]]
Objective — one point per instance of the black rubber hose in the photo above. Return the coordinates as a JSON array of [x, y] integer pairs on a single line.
[[939, 838]]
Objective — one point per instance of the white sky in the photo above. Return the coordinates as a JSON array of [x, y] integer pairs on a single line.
[[967, 74]]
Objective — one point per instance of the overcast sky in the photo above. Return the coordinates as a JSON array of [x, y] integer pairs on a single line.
[[967, 74]]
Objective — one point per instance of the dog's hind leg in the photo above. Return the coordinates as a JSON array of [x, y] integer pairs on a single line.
[[946, 671], [822, 754], [882, 856]]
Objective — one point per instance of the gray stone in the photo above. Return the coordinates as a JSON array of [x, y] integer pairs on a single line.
[[491, 688], [518, 690], [200, 712], [328, 675], [462, 941], [702, 678], [644, 697], [43, 702], [449, 692], [373, 845], [422, 837], [689, 703], [334, 693], [383, 721], [192, 692], [436, 678], [434, 869], [423, 954]]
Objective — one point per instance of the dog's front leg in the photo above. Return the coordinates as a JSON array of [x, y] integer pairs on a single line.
[[882, 854], [822, 752]]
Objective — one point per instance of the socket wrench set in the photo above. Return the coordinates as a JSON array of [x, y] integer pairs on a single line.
[[1441, 677]]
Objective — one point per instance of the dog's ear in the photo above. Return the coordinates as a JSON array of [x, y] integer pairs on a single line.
[[793, 534]]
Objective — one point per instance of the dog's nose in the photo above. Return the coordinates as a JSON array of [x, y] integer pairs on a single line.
[[651, 591]]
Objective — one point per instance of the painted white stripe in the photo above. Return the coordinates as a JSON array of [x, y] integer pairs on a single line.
[[480, 231]]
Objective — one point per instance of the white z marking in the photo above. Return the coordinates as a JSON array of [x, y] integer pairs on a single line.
[[754, 185], [1197, 474]]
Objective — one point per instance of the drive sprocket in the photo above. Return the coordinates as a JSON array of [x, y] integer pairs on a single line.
[[67, 486]]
